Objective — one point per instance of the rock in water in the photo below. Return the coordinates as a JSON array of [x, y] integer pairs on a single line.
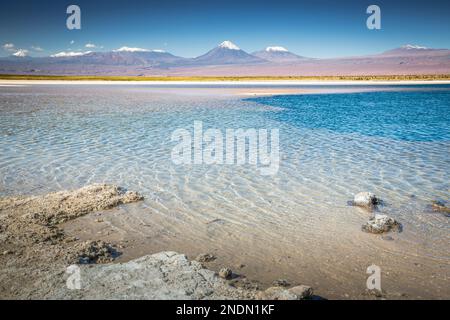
[[439, 206], [281, 283], [225, 273], [381, 223], [94, 252], [205, 257], [366, 199], [374, 292]]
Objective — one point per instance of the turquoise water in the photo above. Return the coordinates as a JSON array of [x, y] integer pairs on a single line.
[[409, 116]]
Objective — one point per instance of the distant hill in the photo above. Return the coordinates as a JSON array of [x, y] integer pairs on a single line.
[[278, 54], [151, 58], [415, 50]]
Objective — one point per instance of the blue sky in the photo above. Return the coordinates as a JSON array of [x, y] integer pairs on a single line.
[[319, 28]]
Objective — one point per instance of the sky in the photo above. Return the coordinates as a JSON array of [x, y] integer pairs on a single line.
[[189, 28]]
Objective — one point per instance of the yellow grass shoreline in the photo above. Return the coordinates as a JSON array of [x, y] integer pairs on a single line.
[[442, 77]]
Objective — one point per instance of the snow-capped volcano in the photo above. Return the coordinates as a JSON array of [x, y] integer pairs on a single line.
[[69, 54], [226, 53], [128, 49], [412, 49], [277, 54], [228, 60], [21, 53], [229, 45], [124, 56], [276, 49]]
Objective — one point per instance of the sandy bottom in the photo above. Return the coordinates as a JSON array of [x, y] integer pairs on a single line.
[[264, 255]]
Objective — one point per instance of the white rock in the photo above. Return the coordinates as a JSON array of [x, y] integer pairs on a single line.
[[365, 199], [161, 276]]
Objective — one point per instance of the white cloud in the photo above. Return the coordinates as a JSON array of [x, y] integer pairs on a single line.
[[72, 41], [21, 53], [64, 54], [9, 47], [93, 46], [128, 49], [37, 48]]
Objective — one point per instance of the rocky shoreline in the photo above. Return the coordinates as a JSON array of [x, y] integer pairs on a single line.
[[36, 254], [34, 249], [165, 275]]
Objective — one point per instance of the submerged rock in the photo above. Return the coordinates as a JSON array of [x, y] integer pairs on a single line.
[[94, 252], [374, 292], [366, 199], [381, 223], [205, 257], [225, 273], [439, 206], [281, 283]]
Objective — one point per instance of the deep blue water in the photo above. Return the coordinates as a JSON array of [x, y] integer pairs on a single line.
[[403, 115]]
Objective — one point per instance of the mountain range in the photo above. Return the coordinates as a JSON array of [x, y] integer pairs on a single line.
[[227, 59], [278, 54]]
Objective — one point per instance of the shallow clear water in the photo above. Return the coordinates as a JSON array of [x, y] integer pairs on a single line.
[[394, 143]]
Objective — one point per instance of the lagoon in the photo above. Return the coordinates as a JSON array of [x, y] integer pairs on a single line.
[[335, 141]]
